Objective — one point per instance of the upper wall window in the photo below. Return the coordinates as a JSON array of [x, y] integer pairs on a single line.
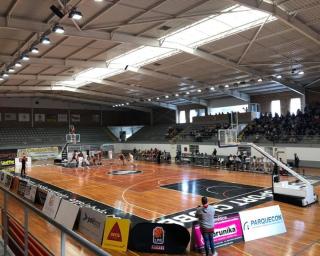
[[275, 107], [295, 105]]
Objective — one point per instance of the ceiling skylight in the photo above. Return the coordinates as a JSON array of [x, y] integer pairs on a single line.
[[232, 20]]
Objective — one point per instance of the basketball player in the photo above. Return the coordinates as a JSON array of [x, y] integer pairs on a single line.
[[121, 157], [23, 161], [131, 160]]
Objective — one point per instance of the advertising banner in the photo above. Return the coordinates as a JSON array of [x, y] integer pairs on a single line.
[[8, 154], [41, 118], [2, 177], [92, 224], [51, 118], [262, 222], [67, 214], [41, 196], [227, 230], [30, 192], [18, 164], [40, 153], [51, 205], [6, 163], [159, 238], [22, 187], [10, 116], [63, 118], [24, 117], [15, 184], [75, 118], [116, 234], [8, 180]]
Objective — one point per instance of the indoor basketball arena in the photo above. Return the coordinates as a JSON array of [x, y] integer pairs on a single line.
[[159, 127]]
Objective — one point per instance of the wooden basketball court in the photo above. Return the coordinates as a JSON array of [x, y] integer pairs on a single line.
[[148, 192]]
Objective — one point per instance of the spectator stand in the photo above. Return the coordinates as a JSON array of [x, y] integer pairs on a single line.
[[150, 155], [302, 127]]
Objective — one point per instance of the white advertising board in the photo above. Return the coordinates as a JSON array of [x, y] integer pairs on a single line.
[[18, 164], [92, 224], [30, 192], [51, 205], [262, 222], [67, 214]]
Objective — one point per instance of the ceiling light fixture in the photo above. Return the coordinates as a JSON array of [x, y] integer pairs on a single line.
[[226, 86], [279, 76], [25, 57], [212, 88], [127, 103], [149, 99], [187, 93], [177, 94], [5, 75], [58, 29], [11, 70], [45, 40], [34, 50], [301, 72], [75, 15], [260, 80], [199, 90], [167, 96], [18, 65], [158, 98]]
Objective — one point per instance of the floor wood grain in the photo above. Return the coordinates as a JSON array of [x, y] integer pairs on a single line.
[[142, 196]]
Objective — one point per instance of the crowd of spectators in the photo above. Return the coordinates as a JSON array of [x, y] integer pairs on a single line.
[[207, 132], [285, 128], [154, 155], [172, 132]]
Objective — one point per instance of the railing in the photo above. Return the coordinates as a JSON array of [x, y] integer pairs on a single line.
[[285, 139], [64, 232]]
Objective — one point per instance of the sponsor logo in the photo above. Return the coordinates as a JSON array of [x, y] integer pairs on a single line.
[[158, 235], [115, 233], [91, 220], [7, 162], [246, 226], [124, 172], [230, 230], [262, 222], [158, 239], [157, 247]]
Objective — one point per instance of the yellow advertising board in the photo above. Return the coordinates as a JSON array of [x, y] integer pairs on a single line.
[[116, 234]]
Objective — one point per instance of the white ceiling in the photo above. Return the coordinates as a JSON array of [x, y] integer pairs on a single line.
[[114, 27]]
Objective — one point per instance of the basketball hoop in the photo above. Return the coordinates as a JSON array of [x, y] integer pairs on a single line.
[[228, 138], [72, 138]]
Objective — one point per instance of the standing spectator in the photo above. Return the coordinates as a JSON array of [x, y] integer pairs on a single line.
[[296, 161], [214, 152], [159, 157], [23, 160], [205, 214]]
